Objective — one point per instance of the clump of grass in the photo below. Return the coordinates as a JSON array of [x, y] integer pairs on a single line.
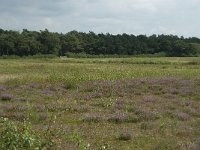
[[182, 116], [40, 108], [193, 63], [7, 97], [144, 126], [81, 108], [93, 118], [1, 112], [146, 115], [130, 108], [165, 144]]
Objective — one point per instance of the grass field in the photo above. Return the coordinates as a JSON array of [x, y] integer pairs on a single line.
[[111, 103]]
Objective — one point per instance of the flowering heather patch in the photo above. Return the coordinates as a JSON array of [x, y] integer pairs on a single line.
[[146, 115], [21, 108], [14, 108], [48, 92], [20, 116], [197, 144], [7, 107], [149, 99], [118, 118], [194, 112], [182, 116], [124, 88], [119, 104], [35, 85], [193, 146], [93, 95], [2, 88], [88, 97], [186, 103], [7, 97], [187, 90]]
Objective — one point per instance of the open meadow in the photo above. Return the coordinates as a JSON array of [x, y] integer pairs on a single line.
[[100, 103]]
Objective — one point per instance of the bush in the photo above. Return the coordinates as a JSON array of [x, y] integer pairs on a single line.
[[19, 136]]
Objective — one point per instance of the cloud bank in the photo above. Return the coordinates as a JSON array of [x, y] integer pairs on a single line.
[[178, 17]]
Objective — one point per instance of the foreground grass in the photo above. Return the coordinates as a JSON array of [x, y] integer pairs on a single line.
[[121, 103]]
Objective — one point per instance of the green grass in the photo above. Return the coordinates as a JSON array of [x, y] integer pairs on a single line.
[[78, 70], [105, 103]]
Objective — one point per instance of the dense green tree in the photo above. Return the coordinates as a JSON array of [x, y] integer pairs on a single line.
[[7, 44], [45, 42], [50, 42]]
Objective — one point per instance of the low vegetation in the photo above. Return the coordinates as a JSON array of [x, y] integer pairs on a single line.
[[100, 103]]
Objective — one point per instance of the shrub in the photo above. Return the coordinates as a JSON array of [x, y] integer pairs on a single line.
[[6, 97], [17, 137]]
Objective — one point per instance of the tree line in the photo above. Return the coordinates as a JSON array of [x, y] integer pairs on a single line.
[[44, 42]]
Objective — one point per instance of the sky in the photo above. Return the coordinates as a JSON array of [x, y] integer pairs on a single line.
[[179, 17]]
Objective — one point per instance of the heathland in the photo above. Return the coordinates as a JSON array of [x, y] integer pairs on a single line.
[[100, 103]]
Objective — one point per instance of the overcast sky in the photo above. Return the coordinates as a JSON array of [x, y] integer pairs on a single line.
[[180, 17]]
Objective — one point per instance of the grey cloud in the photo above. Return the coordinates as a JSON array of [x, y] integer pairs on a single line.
[[114, 16]]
